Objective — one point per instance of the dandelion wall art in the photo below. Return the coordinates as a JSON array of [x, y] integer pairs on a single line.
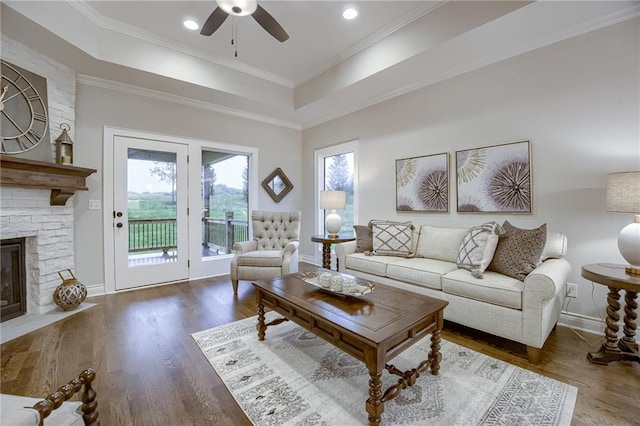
[[422, 183], [494, 179]]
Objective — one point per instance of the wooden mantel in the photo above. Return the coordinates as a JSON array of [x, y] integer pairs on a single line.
[[63, 179]]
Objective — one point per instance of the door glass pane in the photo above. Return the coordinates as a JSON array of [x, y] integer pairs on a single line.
[[151, 207], [225, 201], [338, 176]]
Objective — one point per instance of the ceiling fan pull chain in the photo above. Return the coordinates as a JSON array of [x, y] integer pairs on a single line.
[[236, 37], [233, 27]]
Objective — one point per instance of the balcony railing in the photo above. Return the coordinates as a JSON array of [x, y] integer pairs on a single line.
[[218, 235]]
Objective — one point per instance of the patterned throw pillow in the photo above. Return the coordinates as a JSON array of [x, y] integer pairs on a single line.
[[518, 251], [364, 238], [392, 239], [478, 247]]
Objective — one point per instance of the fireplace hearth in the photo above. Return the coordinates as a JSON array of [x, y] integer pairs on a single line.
[[13, 288]]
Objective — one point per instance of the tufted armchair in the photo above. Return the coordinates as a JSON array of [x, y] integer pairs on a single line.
[[272, 252]]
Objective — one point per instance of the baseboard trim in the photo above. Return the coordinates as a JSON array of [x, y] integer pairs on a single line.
[[582, 322]]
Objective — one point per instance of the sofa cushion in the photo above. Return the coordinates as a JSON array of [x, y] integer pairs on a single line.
[[496, 288], [419, 271], [376, 265], [261, 258], [477, 248], [364, 238], [519, 251], [393, 239], [440, 243]]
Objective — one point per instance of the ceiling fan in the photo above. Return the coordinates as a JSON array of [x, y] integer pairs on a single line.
[[243, 8]]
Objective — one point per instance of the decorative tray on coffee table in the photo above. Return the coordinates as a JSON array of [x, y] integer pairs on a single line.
[[356, 289]]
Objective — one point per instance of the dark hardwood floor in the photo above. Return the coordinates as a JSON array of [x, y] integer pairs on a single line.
[[151, 372]]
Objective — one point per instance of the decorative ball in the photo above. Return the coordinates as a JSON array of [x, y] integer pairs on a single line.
[[325, 279], [336, 283], [349, 286]]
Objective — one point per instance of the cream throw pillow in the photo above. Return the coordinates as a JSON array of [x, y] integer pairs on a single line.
[[392, 239], [477, 248]]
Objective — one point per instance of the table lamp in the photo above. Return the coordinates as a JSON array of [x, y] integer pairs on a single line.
[[333, 200], [623, 195]]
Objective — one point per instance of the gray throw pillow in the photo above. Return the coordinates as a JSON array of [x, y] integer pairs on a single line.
[[364, 238], [518, 251]]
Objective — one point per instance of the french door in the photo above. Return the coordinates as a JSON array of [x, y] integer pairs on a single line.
[[150, 211]]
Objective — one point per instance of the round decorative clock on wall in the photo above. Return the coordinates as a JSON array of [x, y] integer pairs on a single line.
[[24, 118]]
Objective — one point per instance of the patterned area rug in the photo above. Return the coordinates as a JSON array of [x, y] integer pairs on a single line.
[[296, 378]]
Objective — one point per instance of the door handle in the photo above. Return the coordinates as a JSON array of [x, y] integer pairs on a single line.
[[119, 225], [119, 214]]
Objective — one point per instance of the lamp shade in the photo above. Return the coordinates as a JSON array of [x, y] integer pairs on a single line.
[[623, 192], [333, 200], [623, 195]]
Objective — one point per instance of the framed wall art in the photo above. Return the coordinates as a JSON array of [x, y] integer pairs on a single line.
[[422, 183], [494, 179]]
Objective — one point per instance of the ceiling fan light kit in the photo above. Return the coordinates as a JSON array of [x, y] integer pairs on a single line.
[[243, 8], [238, 7]]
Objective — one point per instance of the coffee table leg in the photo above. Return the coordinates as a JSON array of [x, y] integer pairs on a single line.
[[261, 326], [435, 356], [375, 406]]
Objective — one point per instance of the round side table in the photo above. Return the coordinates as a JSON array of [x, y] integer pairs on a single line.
[[616, 279], [326, 247]]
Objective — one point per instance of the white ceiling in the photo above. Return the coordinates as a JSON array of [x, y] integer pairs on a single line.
[[327, 68]]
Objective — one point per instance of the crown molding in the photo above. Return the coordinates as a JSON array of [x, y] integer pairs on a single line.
[[369, 41], [631, 12], [181, 100]]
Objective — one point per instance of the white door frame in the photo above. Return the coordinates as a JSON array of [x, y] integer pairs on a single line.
[[199, 268]]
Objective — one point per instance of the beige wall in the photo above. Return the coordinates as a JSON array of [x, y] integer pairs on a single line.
[[98, 107], [576, 101]]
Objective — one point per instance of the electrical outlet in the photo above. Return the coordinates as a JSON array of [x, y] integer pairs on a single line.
[[95, 205], [572, 290]]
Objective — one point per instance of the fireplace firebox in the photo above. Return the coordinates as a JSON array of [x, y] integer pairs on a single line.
[[13, 288]]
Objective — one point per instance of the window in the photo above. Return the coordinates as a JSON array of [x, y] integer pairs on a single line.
[[337, 171], [225, 201]]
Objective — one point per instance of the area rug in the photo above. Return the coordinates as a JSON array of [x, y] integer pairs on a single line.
[[296, 378]]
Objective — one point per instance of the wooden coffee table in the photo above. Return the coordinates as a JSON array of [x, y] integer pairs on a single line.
[[373, 328]]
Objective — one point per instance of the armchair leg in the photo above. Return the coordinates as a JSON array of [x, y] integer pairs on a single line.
[[234, 283]]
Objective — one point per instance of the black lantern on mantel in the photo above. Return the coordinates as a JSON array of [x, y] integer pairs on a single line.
[[64, 146]]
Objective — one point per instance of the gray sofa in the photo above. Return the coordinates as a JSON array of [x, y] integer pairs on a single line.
[[523, 311]]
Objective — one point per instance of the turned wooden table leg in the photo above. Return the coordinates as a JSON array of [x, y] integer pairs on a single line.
[[261, 326], [609, 350], [628, 342], [435, 356], [326, 255], [375, 406]]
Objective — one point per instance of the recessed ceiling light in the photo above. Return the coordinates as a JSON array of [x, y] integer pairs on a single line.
[[190, 24], [350, 13]]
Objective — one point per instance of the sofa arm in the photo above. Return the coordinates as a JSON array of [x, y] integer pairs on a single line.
[[545, 282], [342, 251], [245, 246]]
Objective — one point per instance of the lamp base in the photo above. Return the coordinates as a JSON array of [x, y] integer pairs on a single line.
[[629, 246], [332, 224], [632, 270]]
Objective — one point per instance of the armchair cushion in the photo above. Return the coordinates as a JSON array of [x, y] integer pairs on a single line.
[[261, 258], [17, 411]]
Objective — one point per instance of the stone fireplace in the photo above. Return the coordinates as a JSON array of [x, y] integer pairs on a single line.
[[34, 207]]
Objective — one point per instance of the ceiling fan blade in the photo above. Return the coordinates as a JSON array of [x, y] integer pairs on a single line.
[[213, 22], [270, 25]]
